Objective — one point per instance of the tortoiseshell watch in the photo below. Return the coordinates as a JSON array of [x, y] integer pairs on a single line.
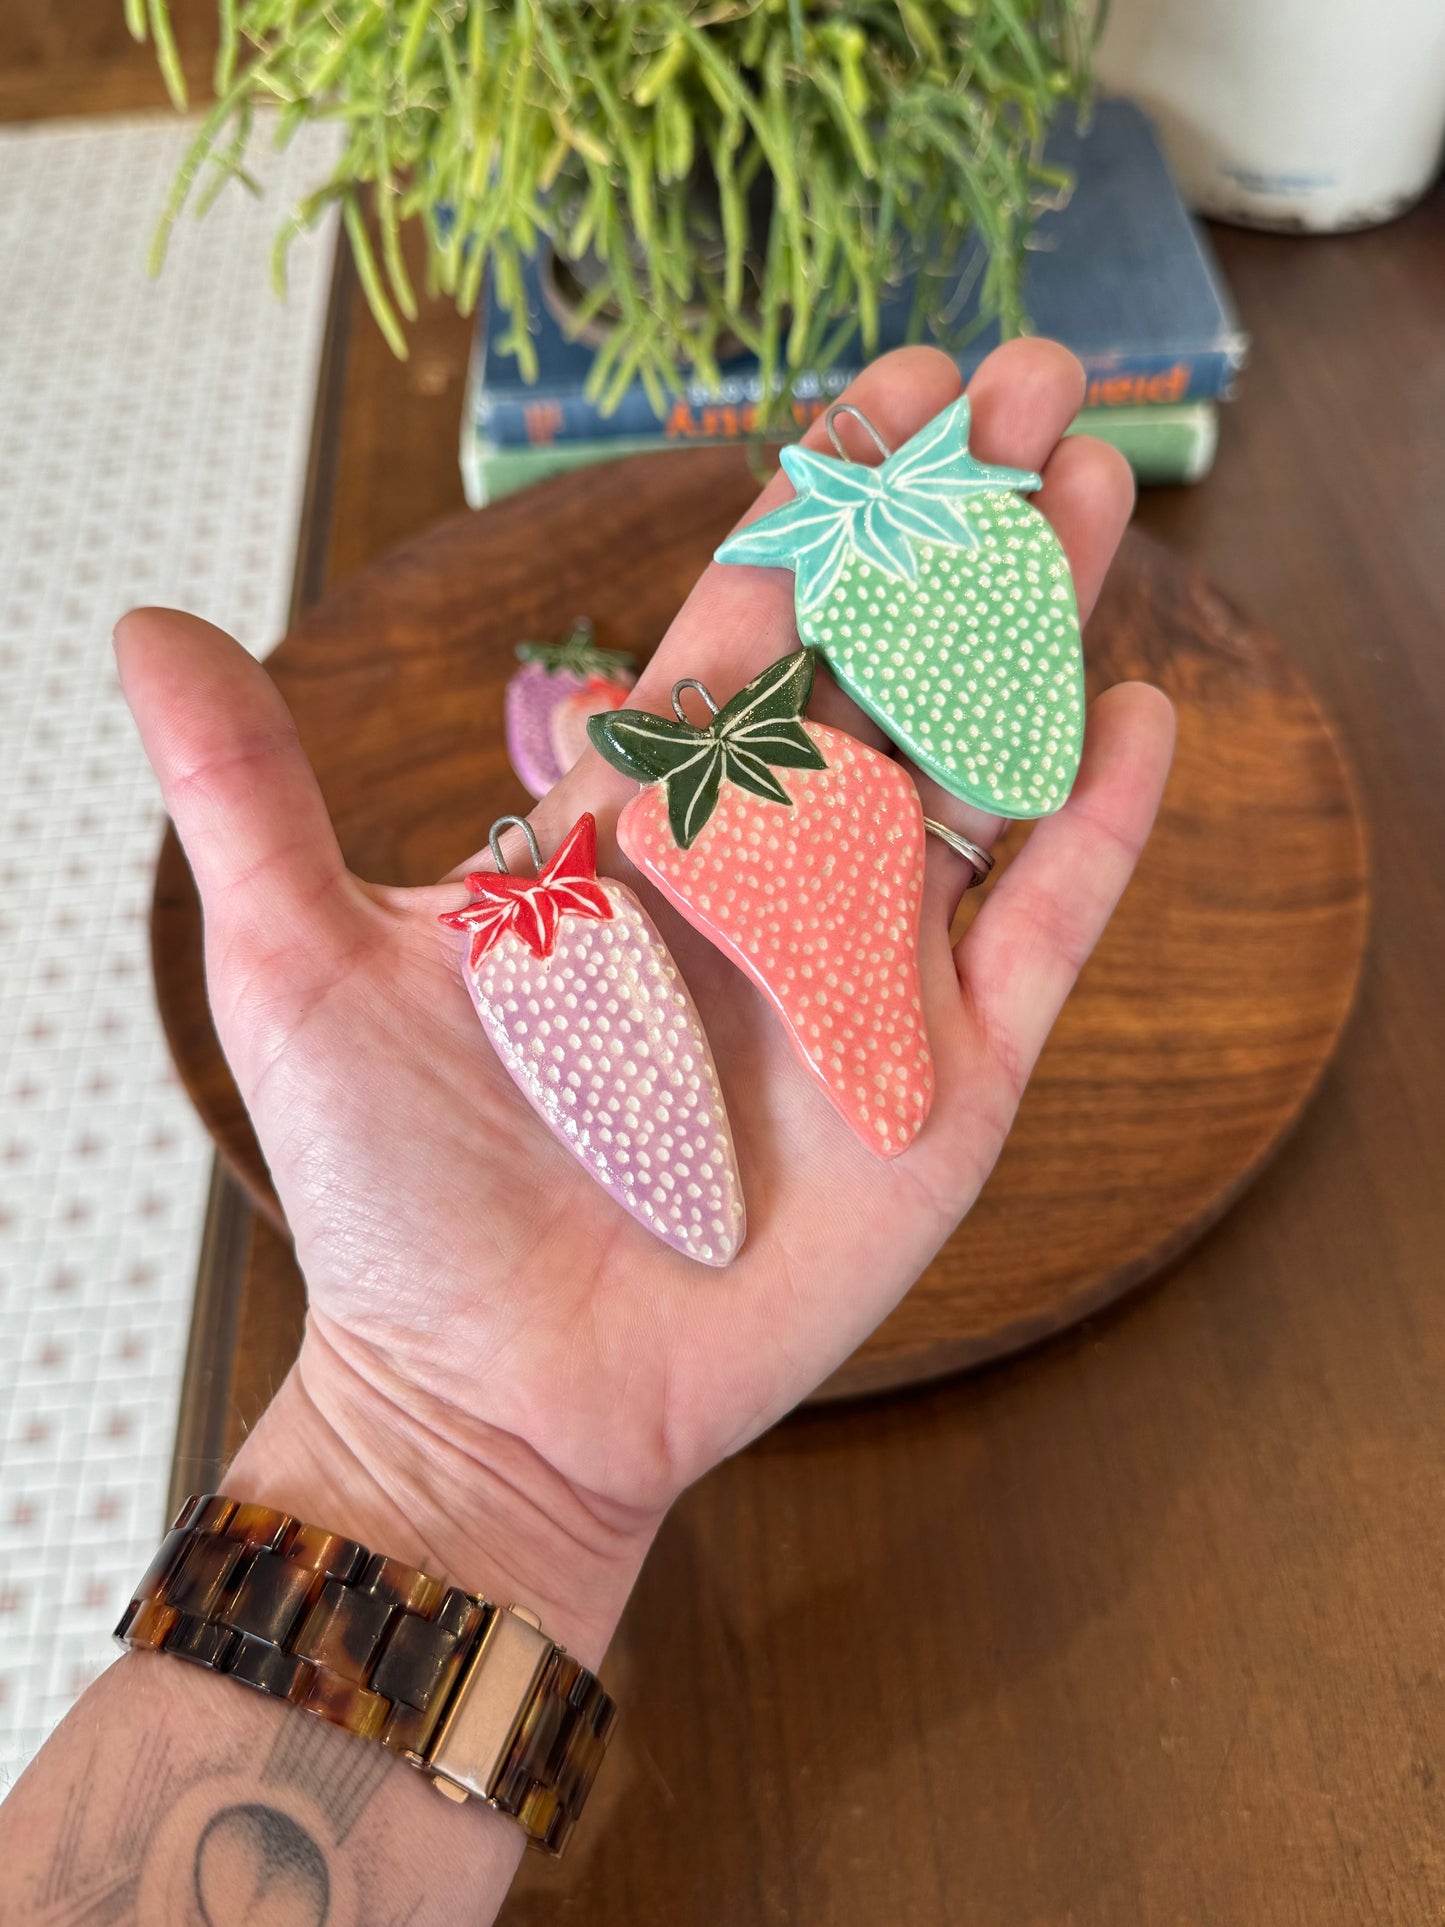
[[472, 1693]]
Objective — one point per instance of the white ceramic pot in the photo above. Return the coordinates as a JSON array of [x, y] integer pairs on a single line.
[[1314, 114]]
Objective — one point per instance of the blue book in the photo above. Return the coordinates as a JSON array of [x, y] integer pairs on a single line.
[[1122, 275]]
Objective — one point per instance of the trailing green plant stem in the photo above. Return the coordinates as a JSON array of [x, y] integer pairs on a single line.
[[753, 171]]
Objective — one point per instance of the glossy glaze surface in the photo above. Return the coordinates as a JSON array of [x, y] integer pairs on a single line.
[[944, 605], [533, 693], [818, 902], [604, 1040]]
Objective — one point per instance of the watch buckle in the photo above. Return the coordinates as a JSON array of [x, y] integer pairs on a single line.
[[487, 1706]]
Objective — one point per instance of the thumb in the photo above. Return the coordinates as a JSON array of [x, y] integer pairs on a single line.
[[233, 774]]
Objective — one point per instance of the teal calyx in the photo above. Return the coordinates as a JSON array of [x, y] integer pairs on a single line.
[[849, 512], [943, 603]]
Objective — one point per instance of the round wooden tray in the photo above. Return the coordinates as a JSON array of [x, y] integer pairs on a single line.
[[1202, 1023]]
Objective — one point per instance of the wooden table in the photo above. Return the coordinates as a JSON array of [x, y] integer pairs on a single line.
[[1144, 1629]]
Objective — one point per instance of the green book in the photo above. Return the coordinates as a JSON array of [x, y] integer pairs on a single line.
[[1164, 443]]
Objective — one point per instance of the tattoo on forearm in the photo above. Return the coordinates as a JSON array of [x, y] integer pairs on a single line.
[[217, 1842], [256, 1863], [339, 1775]]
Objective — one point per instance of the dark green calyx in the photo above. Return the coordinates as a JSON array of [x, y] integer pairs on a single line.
[[581, 653], [759, 731]]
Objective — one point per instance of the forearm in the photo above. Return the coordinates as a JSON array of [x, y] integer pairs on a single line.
[[415, 1479], [171, 1794], [166, 1780]]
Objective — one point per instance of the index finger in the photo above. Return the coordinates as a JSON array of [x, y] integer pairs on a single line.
[[738, 620]]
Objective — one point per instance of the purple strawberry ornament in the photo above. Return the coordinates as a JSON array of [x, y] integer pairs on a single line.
[[552, 672], [590, 1015]]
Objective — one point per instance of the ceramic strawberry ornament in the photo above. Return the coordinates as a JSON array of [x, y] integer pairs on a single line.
[[590, 1015], [549, 699], [799, 853], [944, 605]]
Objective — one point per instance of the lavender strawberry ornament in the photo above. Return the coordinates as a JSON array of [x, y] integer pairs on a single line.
[[550, 697], [591, 1017]]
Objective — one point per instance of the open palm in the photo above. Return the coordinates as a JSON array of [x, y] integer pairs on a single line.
[[454, 1253]]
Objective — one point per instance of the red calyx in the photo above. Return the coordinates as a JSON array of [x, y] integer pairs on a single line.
[[533, 907]]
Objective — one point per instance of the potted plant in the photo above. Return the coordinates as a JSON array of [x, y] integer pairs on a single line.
[[710, 174]]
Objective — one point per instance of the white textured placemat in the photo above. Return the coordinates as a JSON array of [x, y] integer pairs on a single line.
[[153, 445]]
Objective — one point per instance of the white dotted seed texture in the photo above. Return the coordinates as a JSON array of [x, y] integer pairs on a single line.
[[819, 902], [976, 668], [606, 1043]]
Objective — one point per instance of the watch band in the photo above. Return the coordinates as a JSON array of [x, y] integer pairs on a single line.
[[472, 1693]]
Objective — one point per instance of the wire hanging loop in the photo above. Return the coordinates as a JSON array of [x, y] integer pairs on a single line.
[[690, 682], [494, 837], [830, 422]]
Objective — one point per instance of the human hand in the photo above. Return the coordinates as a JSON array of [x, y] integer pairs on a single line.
[[500, 1365]]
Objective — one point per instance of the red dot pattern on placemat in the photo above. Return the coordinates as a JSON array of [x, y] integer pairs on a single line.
[[153, 444]]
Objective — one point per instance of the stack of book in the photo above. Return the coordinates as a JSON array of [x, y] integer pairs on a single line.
[[1121, 275]]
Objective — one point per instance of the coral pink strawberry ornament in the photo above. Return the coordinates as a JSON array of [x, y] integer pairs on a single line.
[[591, 1017], [810, 880]]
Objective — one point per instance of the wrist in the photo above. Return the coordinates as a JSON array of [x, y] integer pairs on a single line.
[[408, 1477]]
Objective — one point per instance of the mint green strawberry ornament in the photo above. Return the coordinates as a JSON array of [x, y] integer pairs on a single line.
[[944, 605]]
